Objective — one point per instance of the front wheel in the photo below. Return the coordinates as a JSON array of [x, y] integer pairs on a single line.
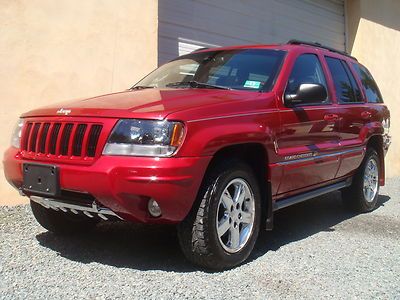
[[362, 195], [223, 226]]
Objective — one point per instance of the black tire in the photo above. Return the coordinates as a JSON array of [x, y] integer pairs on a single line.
[[60, 222], [198, 234], [353, 196]]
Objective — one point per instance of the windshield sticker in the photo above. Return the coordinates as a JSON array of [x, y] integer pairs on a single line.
[[252, 84]]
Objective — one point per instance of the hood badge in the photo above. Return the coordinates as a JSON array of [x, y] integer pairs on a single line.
[[63, 111]]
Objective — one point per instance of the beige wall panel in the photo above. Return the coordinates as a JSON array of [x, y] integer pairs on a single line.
[[374, 38], [52, 51]]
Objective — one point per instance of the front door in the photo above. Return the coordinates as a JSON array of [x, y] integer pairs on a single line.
[[308, 140]]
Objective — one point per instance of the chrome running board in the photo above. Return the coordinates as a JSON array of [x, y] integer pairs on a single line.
[[89, 211]]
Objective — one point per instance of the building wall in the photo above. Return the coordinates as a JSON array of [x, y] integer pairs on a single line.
[[56, 50], [188, 25], [374, 38]]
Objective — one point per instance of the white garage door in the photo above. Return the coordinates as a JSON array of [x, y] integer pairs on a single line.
[[185, 25]]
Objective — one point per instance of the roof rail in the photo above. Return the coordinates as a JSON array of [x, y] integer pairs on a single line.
[[315, 44]]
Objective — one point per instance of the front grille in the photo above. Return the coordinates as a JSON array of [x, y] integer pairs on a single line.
[[69, 139]]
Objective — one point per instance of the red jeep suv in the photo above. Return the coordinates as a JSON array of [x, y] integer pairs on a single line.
[[214, 141]]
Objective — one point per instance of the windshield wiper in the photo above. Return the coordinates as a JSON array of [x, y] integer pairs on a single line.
[[196, 84], [141, 87]]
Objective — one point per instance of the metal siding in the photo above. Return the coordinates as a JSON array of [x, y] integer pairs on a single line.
[[185, 25]]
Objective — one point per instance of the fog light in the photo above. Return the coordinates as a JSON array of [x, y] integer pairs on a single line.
[[154, 208]]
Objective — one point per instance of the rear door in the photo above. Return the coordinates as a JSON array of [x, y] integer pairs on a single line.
[[354, 113], [308, 137]]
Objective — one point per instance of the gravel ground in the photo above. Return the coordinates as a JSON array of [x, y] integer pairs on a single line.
[[316, 250]]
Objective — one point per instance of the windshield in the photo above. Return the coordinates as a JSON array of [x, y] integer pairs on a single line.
[[243, 69]]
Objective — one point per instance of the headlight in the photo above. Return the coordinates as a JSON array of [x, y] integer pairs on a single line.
[[16, 135], [144, 138]]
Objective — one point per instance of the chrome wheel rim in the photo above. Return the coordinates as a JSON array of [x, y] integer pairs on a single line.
[[371, 175], [235, 215]]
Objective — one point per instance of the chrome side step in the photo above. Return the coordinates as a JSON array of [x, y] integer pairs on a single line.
[[89, 211]]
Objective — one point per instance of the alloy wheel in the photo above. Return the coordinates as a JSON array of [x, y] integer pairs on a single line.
[[370, 184], [235, 216]]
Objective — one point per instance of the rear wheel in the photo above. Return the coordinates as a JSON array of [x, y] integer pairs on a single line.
[[362, 195], [59, 222], [223, 226]]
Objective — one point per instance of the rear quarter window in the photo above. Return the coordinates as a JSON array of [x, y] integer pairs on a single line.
[[371, 88]]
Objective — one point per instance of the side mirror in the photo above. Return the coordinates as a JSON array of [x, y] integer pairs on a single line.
[[307, 93]]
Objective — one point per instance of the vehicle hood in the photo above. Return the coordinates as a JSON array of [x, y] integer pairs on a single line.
[[148, 103]]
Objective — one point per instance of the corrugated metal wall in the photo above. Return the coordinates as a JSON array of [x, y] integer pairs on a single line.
[[185, 25]]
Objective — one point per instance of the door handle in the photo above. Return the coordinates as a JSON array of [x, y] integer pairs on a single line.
[[331, 117], [366, 115]]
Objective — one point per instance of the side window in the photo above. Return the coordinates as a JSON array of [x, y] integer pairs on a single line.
[[356, 89], [371, 89], [347, 90], [307, 69]]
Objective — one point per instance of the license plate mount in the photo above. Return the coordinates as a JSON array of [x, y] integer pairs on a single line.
[[41, 179]]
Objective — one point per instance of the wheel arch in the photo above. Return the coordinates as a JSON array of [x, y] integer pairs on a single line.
[[256, 156]]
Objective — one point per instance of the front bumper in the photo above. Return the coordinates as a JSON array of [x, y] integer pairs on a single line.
[[125, 184]]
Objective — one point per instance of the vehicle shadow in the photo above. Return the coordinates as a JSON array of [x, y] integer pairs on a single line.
[[155, 247], [306, 219]]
